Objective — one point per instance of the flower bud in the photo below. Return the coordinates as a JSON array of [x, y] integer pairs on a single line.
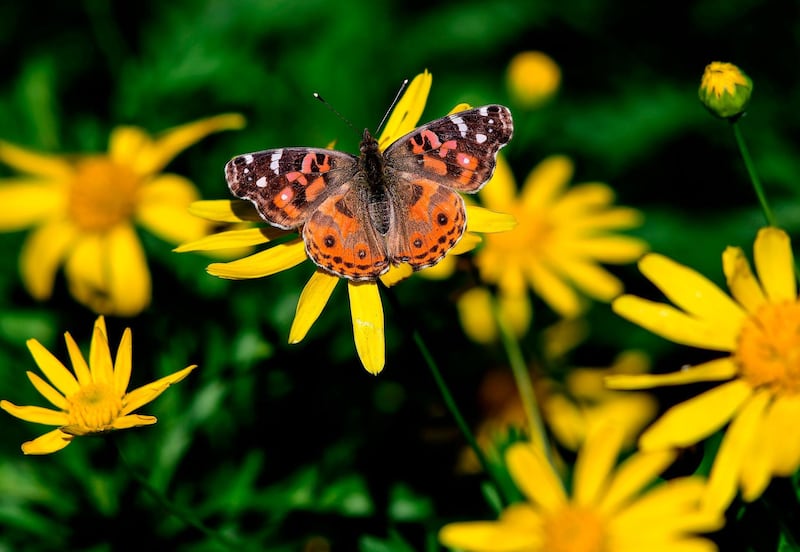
[[533, 78], [725, 90]]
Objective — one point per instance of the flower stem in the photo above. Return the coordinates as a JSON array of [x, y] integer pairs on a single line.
[[523, 381], [751, 170], [447, 396], [185, 516]]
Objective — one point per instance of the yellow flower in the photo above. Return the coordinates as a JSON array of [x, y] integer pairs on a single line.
[[725, 89], [94, 399], [608, 510], [83, 209], [760, 391], [365, 302], [561, 237], [533, 77], [571, 409]]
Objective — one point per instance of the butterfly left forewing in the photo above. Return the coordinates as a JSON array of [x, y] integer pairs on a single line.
[[457, 151], [286, 185]]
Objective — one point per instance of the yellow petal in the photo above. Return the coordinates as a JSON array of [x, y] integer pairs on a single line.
[[486, 221], [148, 392], [566, 421], [129, 283], [100, 356], [535, 477], [756, 469], [595, 463], [458, 108], [606, 249], [367, 313], [714, 370], [163, 208], [475, 312], [408, 110], [225, 210], [35, 414], [695, 419], [693, 292], [133, 420], [264, 263], [26, 203], [158, 153], [632, 476], [47, 391], [230, 239], [515, 311], [440, 271], [781, 424], [79, 365], [741, 281], [398, 273], [739, 438], [48, 443], [35, 163], [312, 300], [775, 264], [546, 182], [593, 280], [554, 291], [675, 325], [500, 192], [617, 218], [51, 367], [123, 363], [43, 252], [488, 536]]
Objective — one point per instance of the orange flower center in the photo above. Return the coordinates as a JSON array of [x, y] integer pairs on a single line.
[[102, 194], [769, 348], [93, 409], [574, 529]]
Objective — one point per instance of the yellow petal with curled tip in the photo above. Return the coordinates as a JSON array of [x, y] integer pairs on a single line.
[[48, 443]]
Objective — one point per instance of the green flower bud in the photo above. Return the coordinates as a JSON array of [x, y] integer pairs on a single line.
[[725, 90]]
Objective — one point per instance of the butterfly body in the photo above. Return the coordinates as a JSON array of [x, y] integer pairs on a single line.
[[360, 215]]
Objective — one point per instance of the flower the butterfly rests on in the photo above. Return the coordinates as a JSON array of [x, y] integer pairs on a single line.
[[360, 216]]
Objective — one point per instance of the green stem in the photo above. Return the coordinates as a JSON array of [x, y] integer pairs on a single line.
[[751, 170], [180, 513], [523, 381], [447, 396]]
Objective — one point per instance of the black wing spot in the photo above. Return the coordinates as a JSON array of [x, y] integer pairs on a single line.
[[329, 241]]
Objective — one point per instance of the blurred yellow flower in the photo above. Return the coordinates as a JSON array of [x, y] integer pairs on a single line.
[[84, 208], [571, 409], [760, 393], [533, 78], [608, 510], [561, 237], [725, 89], [94, 399], [365, 302]]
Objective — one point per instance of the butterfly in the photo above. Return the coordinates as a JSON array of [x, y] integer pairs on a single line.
[[362, 214]]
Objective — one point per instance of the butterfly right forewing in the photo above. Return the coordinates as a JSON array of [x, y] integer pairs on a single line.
[[287, 185]]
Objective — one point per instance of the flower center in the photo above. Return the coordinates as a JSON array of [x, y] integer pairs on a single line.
[[769, 348], [574, 529], [93, 408], [102, 194]]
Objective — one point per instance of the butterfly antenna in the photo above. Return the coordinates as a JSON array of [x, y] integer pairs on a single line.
[[392, 106], [333, 110]]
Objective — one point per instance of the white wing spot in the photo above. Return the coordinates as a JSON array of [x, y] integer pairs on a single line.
[[248, 158], [245, 170], [465, 158], [273, 161], [483, 111], [462, 127], [262, 182], [480, 138]]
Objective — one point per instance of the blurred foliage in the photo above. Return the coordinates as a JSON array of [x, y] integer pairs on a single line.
[[278, 447]]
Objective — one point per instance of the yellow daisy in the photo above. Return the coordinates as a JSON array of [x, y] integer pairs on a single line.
[[561, 237], [83, 209], [94, 399], [608, 510], [759, 393], [365, 302]]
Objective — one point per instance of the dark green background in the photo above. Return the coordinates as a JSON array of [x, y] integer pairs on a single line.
[[274, 444]]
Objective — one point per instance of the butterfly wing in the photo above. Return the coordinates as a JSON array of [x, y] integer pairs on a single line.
[[340, 238], [287, 185], [457, 151], [429, 166]]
